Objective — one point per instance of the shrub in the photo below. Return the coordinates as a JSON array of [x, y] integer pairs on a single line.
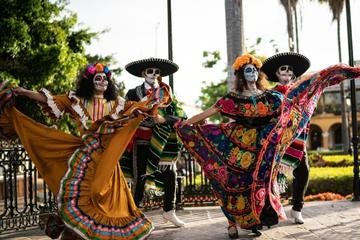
[[328, 179], [339, 160]]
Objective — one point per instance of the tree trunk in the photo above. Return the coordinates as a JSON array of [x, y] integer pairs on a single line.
[[234, 35], [290, 23]]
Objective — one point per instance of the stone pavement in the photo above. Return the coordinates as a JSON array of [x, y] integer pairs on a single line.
[[332, 220]]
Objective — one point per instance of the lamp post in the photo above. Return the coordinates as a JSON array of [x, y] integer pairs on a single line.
[[355, 138], [170, 52], [348, 119]]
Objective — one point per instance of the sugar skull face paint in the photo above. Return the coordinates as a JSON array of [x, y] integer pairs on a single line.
[[151, 74], [100, 82], [285, 74], [251, 74]]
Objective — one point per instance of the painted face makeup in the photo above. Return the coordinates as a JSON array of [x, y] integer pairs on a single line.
[[151, 74], [100, 82], [251, 74], [285, 74]]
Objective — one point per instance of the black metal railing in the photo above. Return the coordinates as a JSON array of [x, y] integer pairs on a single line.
[[24, 196], [25, 199]]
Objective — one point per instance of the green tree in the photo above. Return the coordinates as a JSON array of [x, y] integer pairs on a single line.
[[41, 46]]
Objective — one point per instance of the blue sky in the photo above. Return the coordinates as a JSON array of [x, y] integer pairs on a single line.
[[138, 29]]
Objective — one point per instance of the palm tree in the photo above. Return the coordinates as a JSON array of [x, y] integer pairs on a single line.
[[234, 34], [337, 7], [290, 9]]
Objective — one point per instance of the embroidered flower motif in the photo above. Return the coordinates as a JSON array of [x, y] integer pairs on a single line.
[[249, 137], [260, 194], [222, 174], [247, 105], [239, 132], [232, 159], [287, 135], [262, 108], [241, 203], [246, 160], [227, 105], [209, 167]]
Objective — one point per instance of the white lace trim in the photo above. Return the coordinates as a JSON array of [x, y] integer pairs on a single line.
[[78, 109], [51, 103], [119, 107]]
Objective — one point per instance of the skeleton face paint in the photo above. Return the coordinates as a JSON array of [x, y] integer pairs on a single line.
[[100, 82], [151, 74], [285, 74], [250, 73]]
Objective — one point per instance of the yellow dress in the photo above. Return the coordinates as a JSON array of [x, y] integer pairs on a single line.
[[92, 194]]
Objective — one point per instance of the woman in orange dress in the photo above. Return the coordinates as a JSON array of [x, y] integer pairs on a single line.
[[83, 171]]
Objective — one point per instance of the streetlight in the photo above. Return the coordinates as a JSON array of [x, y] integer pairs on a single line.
[[348, 109], [170, 52], [355, 138]]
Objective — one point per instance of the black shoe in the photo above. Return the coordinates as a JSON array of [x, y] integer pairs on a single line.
[[256, 232]]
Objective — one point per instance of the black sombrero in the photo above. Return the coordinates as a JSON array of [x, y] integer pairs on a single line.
[[299, 62], [166, 67]]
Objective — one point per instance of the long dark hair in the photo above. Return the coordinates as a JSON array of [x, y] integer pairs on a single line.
[[85, 87]]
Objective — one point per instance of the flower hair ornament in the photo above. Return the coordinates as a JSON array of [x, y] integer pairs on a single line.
[[92, 69], [246, 59]]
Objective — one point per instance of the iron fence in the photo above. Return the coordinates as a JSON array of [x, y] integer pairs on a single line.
[[24, 196], [26, 201]]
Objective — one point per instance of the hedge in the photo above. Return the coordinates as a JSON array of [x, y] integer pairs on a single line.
[[328, 179]]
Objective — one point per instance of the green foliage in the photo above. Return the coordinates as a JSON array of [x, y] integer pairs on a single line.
[[209, 96], [36, 41], [41, 47], [341, 160], [212, 58], [256, 47]]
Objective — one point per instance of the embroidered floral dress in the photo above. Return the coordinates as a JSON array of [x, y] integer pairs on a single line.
[[92, 194], [241, 157]]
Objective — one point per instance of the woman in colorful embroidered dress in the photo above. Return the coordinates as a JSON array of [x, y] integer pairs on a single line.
[[241, 157], [93, 197]]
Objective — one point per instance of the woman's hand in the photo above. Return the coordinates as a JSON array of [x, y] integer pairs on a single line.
[[38, 97], [19, 91], [181, 123], [158, 119]]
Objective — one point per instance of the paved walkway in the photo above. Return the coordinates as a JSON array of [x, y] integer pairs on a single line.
[[337, 220]]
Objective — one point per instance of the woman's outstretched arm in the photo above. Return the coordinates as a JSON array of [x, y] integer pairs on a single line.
[[38, 97], [202, 116]]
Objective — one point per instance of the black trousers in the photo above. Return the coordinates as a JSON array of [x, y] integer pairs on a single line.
[[167, 176], [300, 183]]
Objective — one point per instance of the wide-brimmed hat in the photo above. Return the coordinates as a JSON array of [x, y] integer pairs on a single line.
[[166, 66], [297, 61]]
